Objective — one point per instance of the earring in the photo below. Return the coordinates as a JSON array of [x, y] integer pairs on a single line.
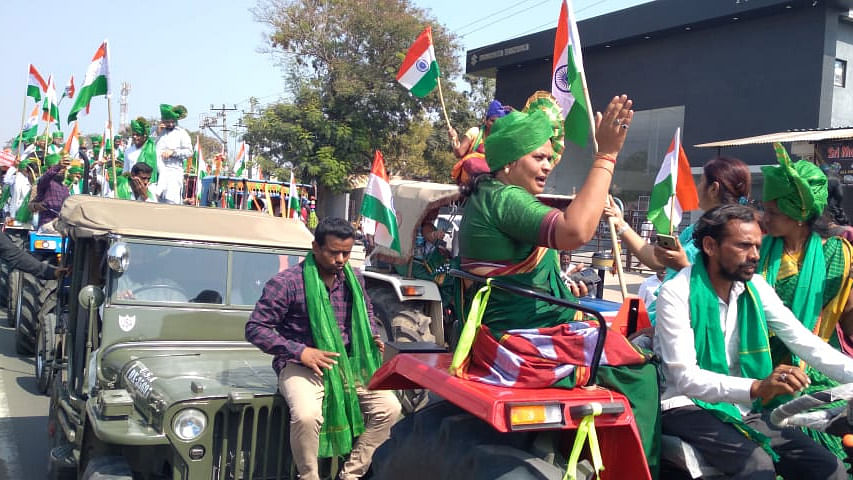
[[506, 169], [799, 224]]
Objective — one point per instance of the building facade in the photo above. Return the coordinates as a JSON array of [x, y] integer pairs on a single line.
[[719, 69]]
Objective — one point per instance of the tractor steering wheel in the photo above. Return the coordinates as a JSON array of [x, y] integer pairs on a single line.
[[804, 411]]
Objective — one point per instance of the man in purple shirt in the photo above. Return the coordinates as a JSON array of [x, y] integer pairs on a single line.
[[280, 325], [51, 192]]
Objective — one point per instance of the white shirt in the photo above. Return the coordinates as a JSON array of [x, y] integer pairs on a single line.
[[131, 156], [648, 289], [179, 142], [683, 379]]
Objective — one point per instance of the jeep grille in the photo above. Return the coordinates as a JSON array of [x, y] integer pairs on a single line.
[[251, 442]]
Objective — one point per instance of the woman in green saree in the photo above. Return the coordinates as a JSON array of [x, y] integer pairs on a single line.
[[809, 269], [506, 232]]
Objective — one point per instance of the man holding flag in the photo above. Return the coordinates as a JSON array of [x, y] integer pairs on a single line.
[[174, 146]]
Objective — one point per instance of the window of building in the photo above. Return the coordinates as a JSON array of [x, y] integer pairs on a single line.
[[840, 73]]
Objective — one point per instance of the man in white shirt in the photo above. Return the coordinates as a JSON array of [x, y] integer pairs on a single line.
[[711, 334], [648, 290], [173, 147]]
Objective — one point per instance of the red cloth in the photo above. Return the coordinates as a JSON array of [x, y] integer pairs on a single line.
[[540, 357], [469, 167]]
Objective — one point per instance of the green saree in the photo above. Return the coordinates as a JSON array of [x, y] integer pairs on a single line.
[[505, 233]]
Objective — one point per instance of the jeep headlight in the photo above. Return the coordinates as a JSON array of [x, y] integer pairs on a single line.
[[189, 423]]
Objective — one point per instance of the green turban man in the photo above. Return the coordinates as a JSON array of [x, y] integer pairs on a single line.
[[168, 112], [515, 135], [139, 126], [799, 189], [58, 135]]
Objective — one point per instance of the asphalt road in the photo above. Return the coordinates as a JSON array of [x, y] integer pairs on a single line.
[[23, 414]]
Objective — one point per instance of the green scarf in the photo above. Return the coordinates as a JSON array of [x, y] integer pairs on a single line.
[[341, 412], [754, 351], [4, 198], [24, 215], [808, 296]]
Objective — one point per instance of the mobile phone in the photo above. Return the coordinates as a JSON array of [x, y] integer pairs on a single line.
[[588, 276], [668, 242]]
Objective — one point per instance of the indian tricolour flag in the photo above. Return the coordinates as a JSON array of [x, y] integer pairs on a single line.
[[30, 128], [567, 78], [50, 108], [377, 207], [240, 160], [200, 166], [72, 143], [35, 84], [674, 191], [96, 82], [419, 72], [293, 196]]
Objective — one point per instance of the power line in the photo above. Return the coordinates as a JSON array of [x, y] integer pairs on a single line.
[[499, 20], [463, 27]]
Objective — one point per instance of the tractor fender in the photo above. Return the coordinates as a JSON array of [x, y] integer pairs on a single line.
[[430, 289]]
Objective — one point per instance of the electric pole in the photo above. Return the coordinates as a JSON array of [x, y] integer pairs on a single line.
[[125, 91]]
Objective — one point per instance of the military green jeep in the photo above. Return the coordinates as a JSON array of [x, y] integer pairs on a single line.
[[151, 375]]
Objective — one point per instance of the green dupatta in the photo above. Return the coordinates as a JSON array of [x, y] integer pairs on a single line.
[[753, 352], [341, 412]]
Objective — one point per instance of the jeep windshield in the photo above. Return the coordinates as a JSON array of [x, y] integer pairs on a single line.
[[196, 274]]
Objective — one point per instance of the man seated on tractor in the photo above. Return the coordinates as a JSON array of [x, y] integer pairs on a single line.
[[720, 384], [507, 233], [316, 318]]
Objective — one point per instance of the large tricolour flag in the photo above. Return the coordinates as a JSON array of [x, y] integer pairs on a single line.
[[96, 83], [567, 77], [240, 160], [377, 207], [35, 83], [29, 130], [419, 72], [674, 191]]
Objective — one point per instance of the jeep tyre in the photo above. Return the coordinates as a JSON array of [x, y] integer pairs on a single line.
[[107, 468], [448, 434], [45, 338], [402, 323]]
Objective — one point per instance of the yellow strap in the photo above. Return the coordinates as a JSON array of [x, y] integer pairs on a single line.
[[472, 324], [586, 430]]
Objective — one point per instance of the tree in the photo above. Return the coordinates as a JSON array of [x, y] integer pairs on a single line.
[[341, 59]]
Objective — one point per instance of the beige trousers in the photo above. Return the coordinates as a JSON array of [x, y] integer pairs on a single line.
[[303, 391]]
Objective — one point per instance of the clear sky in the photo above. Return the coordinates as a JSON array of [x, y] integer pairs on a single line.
[[200, 52]]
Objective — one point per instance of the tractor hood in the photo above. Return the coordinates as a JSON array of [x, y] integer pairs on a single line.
[[160, 375]]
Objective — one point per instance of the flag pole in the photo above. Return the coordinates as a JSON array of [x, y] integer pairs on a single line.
[[440, 93], [677, 153], [23, 119], [110, 132]]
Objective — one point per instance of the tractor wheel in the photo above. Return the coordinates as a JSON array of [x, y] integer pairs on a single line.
[[402, 323], [45, 338], [447, 435], [27, 308], [107, 468]]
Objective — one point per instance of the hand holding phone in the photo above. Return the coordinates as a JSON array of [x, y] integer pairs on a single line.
[[668, 242]]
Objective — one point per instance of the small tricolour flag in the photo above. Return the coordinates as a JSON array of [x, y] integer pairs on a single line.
[[377, 207], [293, 202], [240, 160], [674, 191], [35, 83], [69, 88], [50, 108], [72, 144], [567, 78], [96, 81], [419, 72]]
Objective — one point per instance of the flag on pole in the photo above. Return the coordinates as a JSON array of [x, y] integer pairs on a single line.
[[419, 72], [69, 88], [293, 199], [567, 78], [240, 160], [30, 130], [35, 84], [96, 81], [377, 207], [72, 144], [674, 191], [49, 108]]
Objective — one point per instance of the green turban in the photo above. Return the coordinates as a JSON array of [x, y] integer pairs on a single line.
[[58, 135], [52, 159], [139, 126], [799, 188], [168, 112], [96, 140], [41, 138], [29, 161], [516, 135], [75, 170]]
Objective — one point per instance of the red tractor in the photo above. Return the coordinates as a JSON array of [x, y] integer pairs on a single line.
[[474, 431]]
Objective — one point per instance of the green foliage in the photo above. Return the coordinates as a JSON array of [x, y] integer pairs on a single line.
[[341, 58]]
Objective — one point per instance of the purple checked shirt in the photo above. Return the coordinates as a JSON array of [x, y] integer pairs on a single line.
[[279, 325], [51, 193]]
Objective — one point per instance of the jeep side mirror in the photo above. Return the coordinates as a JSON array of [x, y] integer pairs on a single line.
[[91, 297], [118, 257]]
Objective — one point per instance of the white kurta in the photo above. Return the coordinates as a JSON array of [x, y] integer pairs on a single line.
[[170, 171]]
